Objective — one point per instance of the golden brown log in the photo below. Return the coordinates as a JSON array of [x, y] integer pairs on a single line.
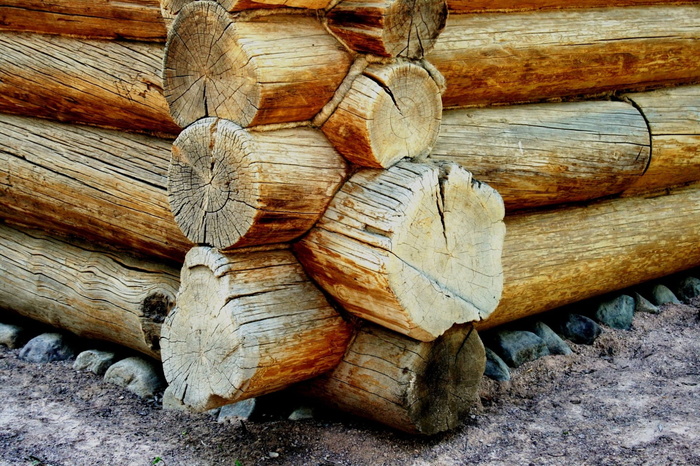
[[483, 6], [103, 83], [390, 112], [388, 28], [417, 387], [525, 57], [673, 116], [246, 324], [544, 154], [557, 257], [106, 186], [272, 69], [85, 289], [229, 187], [415, 248], [93, 19]]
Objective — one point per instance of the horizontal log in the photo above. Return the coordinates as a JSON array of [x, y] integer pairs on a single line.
[[271, 69], [673, 116], [417, 387], [246, 324], [415, 248], [543, 154], [84, 289], [558, 257], [106, 186], [229, 187], [525, 57], [484, 6], [94, 19], [104, 83]]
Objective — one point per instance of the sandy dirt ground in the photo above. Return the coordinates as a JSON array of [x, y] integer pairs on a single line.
[[631, 398]]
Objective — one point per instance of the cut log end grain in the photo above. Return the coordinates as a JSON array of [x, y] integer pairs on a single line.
[[170, 8], [391, 28], [415, 248], [391, 112], [273, 69], [246, 324], [417, 387], [229, 187]]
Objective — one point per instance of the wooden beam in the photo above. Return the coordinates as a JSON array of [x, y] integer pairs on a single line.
[[504, 6], [85, 289], [106, 186], [544, 154], [103, 83], [526, 57]]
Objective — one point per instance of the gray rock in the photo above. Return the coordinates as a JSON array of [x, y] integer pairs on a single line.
[[136, 375], [47, 347], [12, 336], [302, 412], [644, 305], [236, 412], [579, 329], [616, 313], [688, 288], [553, 341], [94, 361], [516, 347], [496, 368], [662, 295]]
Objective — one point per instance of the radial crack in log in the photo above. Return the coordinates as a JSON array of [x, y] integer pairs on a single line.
[[246, 324], [229, 187], [272, 69], [413, 386], [381, 249], [390, 112]]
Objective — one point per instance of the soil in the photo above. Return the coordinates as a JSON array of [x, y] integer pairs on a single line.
[[633, 397]]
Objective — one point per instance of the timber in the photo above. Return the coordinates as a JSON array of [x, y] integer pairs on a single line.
[[229, 187], [271, 69], [415, 248], [92, 19], [416, 387], [388, 28], [526, 57], [506, 6], [389, 113], [87, 290], [674, 121], [105, 186], [544, 154], [246, 324], [103, 83], [560, 256]]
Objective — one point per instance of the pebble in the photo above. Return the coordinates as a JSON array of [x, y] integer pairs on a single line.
[[12, 336], [496, 368], [516, 347], [644, 305], [137, 375], [663, 295], [273, 454], [688, 288], [235, 412], [94, 361], [553, 341], [616, 313], [579, 329], [47, 347]]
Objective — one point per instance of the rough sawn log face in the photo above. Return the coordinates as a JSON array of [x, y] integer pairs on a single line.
[[483, 6], [246, 324], [545, 154], [417, 387], [90, 291], [415, 248]]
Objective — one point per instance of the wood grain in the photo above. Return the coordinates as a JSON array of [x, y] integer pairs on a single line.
[[504, 6]]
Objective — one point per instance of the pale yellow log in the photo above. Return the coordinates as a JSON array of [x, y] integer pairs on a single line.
[[525, 57], [246, 324], [482, 6], [104, 83], [417, 387], [230, 187], [557, 257], [96, 19], [545, 154], [415, 248], [388, 28], [391, 112], [88, 290], [272, 69], [674, 121], [106, 186]]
